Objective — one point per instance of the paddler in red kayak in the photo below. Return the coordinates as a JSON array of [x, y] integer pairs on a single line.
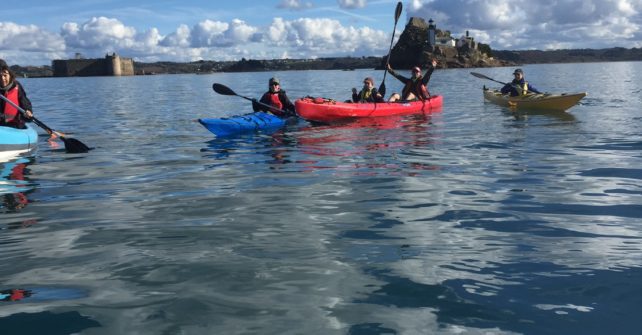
[[275, 97], [416, 87], [368, 93]]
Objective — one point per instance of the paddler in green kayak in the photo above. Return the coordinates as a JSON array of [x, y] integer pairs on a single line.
[[275, 97], [519, 86]]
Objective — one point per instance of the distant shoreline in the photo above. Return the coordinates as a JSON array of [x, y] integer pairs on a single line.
[[351, 63]]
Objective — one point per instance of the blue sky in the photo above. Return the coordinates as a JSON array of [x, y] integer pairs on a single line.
[[34, 32]]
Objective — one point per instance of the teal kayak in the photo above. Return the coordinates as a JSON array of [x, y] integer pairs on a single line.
[[17, 140], [252, 122]]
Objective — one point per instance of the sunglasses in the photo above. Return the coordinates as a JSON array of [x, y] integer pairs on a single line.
[[275, 84]]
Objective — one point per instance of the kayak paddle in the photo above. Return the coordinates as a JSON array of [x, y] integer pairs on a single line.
[[72, 145], [224, 90], [479, 75], [382, 87]]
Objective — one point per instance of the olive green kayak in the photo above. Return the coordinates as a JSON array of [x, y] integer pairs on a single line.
[[559, 102]]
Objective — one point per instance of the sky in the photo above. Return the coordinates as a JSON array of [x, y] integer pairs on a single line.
[[35, 32]]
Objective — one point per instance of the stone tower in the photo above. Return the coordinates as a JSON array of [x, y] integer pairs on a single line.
[[116, 68]]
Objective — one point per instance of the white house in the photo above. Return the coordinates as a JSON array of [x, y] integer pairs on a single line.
[[446, 41]]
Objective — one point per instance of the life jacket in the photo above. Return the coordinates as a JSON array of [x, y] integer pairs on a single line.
[[417, 88], [524, 88], [520, 88], [365, 95], [275, 101], [11, 114]]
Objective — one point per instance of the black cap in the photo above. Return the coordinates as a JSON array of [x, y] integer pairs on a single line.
[[518, 71]]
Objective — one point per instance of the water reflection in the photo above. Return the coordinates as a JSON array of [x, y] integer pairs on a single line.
[[525, 114], [366, 146], [14, 294], [467, 221], [15, 187], [369, 146]]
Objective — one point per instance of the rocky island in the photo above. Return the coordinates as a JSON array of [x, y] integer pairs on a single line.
[[421, 41]]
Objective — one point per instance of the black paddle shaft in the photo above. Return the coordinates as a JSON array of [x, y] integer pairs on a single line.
[[479, 75], [398, 9], [71, 145]]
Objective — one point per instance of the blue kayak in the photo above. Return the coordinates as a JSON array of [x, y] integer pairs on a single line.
[[252, 122], [18, 140]]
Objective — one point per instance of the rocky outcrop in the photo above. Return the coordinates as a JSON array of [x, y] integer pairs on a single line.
[[412, 49]]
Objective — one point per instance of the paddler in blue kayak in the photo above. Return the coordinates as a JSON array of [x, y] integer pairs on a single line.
[[275, 97], [415, 87], [519, 86]]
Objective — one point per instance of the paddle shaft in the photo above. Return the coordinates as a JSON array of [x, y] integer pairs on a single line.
[[24, 114], [479, 75], [398, 9], [72, 145]]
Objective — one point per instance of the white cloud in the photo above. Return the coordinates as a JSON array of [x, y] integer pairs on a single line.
[[325, 37], [179, 38], [209, 33], [208, 39], [294, 4], [28, 38], [213, 34], [516, 24], [351, 4], [98, 33], [522, 24]]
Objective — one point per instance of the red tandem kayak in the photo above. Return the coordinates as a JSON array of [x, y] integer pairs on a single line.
[[328, 111]]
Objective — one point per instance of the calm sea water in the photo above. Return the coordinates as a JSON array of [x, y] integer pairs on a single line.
[[473, 220]]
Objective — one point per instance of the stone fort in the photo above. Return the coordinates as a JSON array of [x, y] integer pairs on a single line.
[[111, 65]]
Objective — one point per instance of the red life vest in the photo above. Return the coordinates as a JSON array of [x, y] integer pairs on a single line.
[[276, 102], [417, 88], [11, 114]]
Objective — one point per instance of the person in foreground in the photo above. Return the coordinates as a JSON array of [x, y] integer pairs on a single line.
[[415, 87], [519, 86], [275, 97], [12, 90], [368, 93]]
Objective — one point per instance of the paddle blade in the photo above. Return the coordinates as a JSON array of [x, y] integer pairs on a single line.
[[398, 11], [479, 75], [73, 146], [382, 89], [222, 89]]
